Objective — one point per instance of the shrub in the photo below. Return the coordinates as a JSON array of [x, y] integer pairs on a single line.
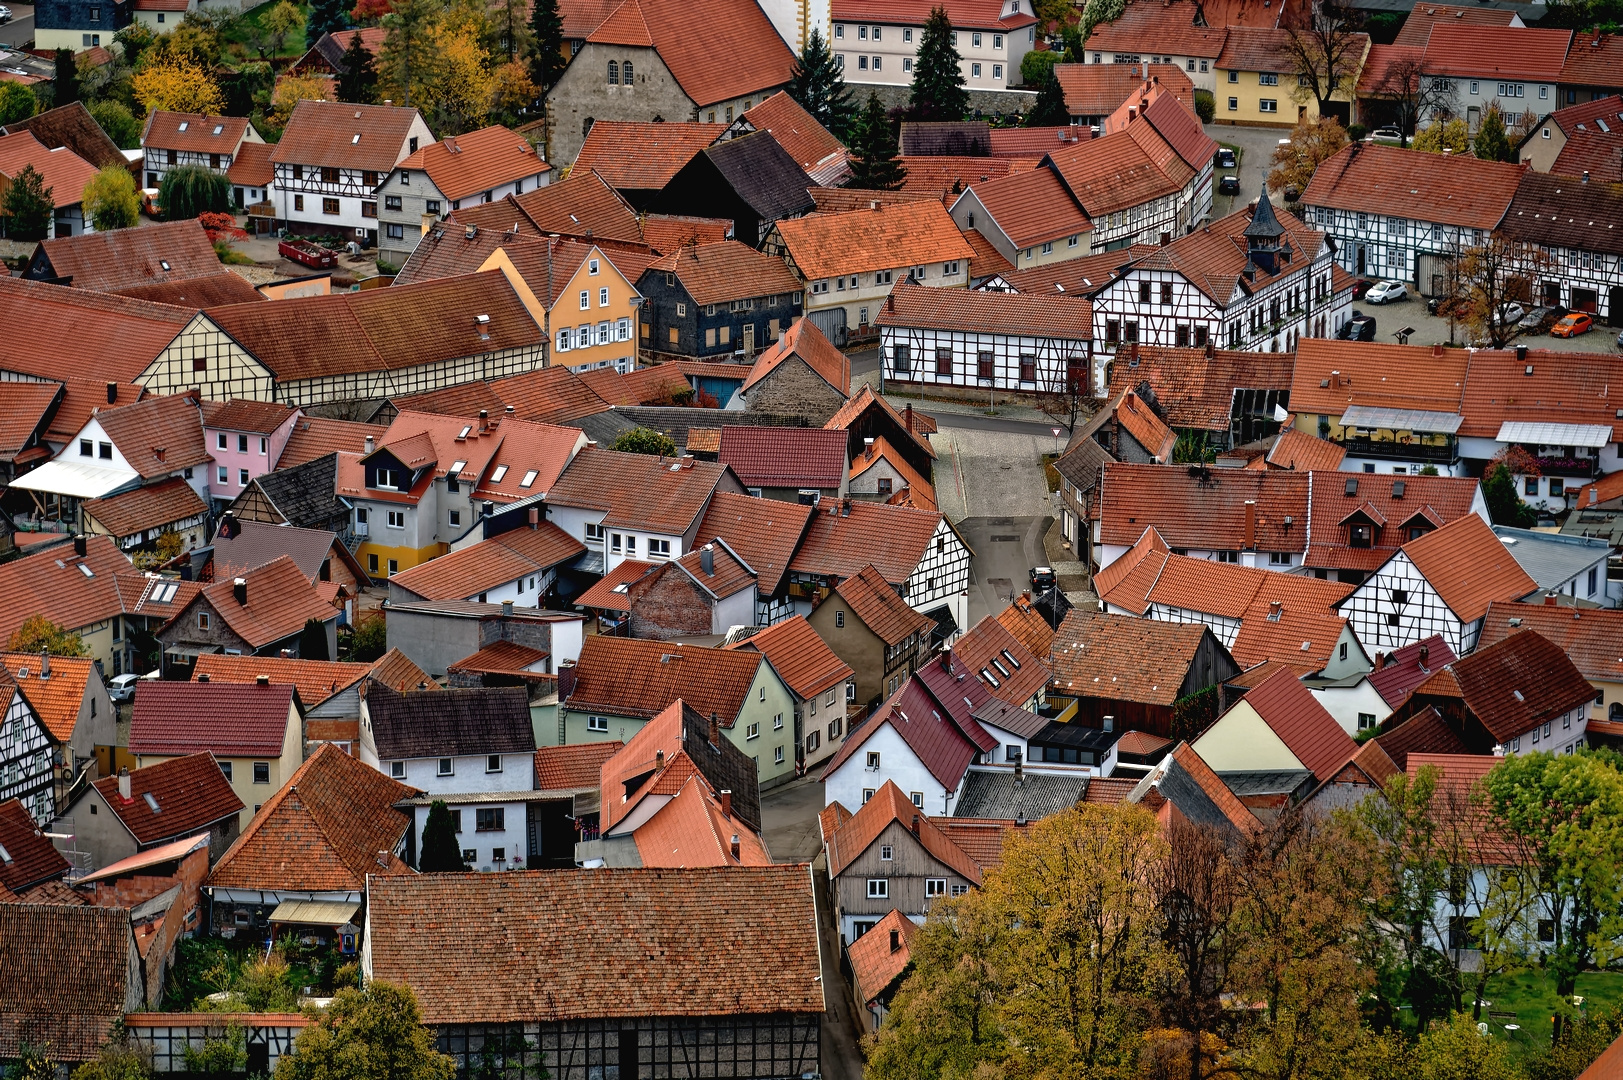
[[1205, 106]]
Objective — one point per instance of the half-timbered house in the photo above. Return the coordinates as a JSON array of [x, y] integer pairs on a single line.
[[872, 630], [1441, 583], [1569, 252], [29, 756], [330, 159], [172, 139], [1404, 216], [1249, 282], [985, 340]]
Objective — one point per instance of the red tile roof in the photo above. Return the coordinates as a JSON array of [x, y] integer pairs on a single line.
[[1422, 501], [633, 155], [1296, 449], [241, 414], [179, 718], [1122, 657], [720, 273], [1028, 626], [715, 49], [51, 330], [1031, 207], [1391, 70], [784, 457], [126, 258], [639, 490], [461, 166], [629, 677], [466, 572], [1418, 26], [764, 532], [891, 539], [1496, 52], [1588, 636], [1540, 385], [892, 236], [134, 512], [728, 575], [57, 698], [1170, 28], [1593, 59], [965, 14], [585, 201], [280, 600], [864, 400], [1331, 375], [1194, 389], [71, 973], [158, 435], [1424, 733], [194, 133], [609, 593], [1402, 670], [1302, 632], [1590, 147], [65, 173], [252, 166], [1115, 172], [1098, 89], [875, 965], [31, 857], [996, 657], [563, 768], [346, 136], [1191, 513], [802, 660], [803, 340], [692, 831], [875, 602], [1293, 713], [172, 798], [332, 826], [1050, 316], [51, 583], [940, 743], [453, 937], [1213, 787], [1519, 682], [23, 409], [667, 233], [504, 658], [797, 131], [1457, 190], [889, 805], [913, 481], [317, 436], [315, 680], [1469, 567]]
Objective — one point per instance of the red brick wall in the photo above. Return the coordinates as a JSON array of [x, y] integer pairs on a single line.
[[667, 605]]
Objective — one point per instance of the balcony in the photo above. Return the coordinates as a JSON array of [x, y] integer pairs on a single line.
[[1583, 468], [1441, 453]]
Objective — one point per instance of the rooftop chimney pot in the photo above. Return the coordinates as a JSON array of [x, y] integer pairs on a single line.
[[727, 801], [124, 783], [239, 589]]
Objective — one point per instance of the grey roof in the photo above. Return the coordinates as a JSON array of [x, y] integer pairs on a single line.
[[763, 174], [1552, 559], [1264, 225], [1605, 524], [451, 723], [1183, 791], [306, 495], [958, 138], [994, 794], [258, 543], [604, 427], [1375, 416], [1081, 464], [1268, 782]]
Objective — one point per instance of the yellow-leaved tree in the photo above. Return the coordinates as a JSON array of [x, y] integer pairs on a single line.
[[466, 81], [177, 83], [292, 89]]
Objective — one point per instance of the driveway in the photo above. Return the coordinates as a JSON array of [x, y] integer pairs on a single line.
[[1256, 145], [1006, 548], [1434, 330]]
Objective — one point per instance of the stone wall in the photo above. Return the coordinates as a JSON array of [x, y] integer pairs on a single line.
[[584, 93], [667, 605], [981, 102], [794, 389]]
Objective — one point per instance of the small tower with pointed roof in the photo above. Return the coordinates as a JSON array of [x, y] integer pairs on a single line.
[[1263, 235]]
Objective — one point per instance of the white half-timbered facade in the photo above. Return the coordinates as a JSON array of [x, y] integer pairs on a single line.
[[330, 160], [941, 578], [173, 139], [1247, 283], [1397, 606], [986, 340], [1570, 253], [27, 758]]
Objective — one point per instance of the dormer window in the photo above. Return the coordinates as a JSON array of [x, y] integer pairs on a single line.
[[1361, 535]]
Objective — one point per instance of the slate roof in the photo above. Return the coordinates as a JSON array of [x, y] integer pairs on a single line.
[[172, 799], [68, 977], [258, 543], [306, 493], [1185, 780], [280, 601], [875, 966], [784, 457], [897, 234], [578, 766], [1122, 657], [183, 718], [126, 258], [715, 49], [1309, 731], [638, 490], [315, 680], [330, 828], [802, 339], [994, 794], [133, 512], [1458, 190], [972, 311], [1552, 559], [452, 938], [889, 805], [875, 602], [457, 722], [764, 532], [461, 166], [30, 856], [761, 173], [72, 126], [802, 659], [682, 734], [721, 273], [1519, 682], [467, 572], [1588, 636], [1468, 566], [627, 677], [58, 698], [643, 156], [344, 135]]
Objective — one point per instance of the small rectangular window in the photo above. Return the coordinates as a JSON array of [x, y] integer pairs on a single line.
[[261, 772], [397, 769], [878, 889], [445, 767], [934, 887], [493, 763]]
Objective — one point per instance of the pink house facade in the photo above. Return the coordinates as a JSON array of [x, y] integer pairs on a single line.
[[245, 439]]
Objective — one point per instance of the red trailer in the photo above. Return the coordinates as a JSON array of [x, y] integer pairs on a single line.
[[308, 254]]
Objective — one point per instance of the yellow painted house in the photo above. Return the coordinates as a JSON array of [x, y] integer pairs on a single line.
[[591, 308], [1257, 80]]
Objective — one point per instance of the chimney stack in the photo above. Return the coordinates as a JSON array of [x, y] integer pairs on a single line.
[[239, 589], [707, 560], [507, 608], [261, 680], [535, 518], [1019, 772], [112, 393], [895, 941], [124, 783], [715, 730], [45, 663], [203, 677], [915, 824], [1549, 599], [659, 760], [566, 679], [727, 802], [484, 419], [1425, 654], [371, 444], [1251, 525], [79, 544], [287, 654], [734, 846]]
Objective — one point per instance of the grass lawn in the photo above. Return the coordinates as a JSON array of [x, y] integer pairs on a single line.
[[1051, 473], [243, 32], [1531, 996], [1239, 152]]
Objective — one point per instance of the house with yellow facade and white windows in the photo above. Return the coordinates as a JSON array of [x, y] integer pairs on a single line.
[[1261, 81]]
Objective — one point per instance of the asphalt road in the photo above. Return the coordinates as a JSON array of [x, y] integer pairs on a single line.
[[1005, 551], [1257, 147], [20, 30]]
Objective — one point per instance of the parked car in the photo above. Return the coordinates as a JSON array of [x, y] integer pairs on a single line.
[[1510, 314], [1362, 286], [1228, 185], [5, 14], [1386, 292], [1225, 158], [1360, 327], [1042, 577], [1390, 133], [1540, 318], [1447, 306], [122, 687], [1572, 325]]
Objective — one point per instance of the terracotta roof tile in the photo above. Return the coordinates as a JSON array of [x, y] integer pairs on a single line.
[[638, 678], [1197, 390], [241, 414], [562, 768], [865, 400], [504, 658], [466, 572], [1402, 670], [452, 937], [843, 200], [1496, 52], [609, 593], [1422, 501], [943, 177], [681, 734], [1458, 190], [1588, 636], [1108, 790], [728, 575], [461, 166], [23, 409], [1293, 713], [891, 539], [803, 340], [993, 655], [326, 830], [668, 233], [911, 305], [51, 583], [764, 532], [1099, 89], [318, 436], [874, 964], [982, 839], [1190, 513], [134, 512], [1185, 761], [1118, 656], [172, 798], [915, 715], [784, 457], [1469, 567], [73, 126], [1114, 173], [315, 680], [65, 173], [692, 831], [802, 660], [1168, 27], [633, 155], [1519, 682], [1539, 386], [1031, 207], [280, 600], [1424, 733], [252, 166], [68, 977], [639, 490], [912, 480], [797, 131], [1296, 449], [1302, 632], [1215, 258], [159, 435], [58, 698], [1559, 211], [897, 235], [719, 273], [965, 14], [874, 601], [344, 135], [1418, 26], [179, 718], [890, 805], [987, 260], [1028, 626], [715, 49], [125, 258], [31, 857], [396, 671], [194, 133], [1590, 148]]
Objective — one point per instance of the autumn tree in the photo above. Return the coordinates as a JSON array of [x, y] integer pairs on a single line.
[[1411, 91], [1458, 1051], [1313, 141], [409, 63], [511, 93], [938, 79], [464, 83], [290, 90], [39, 634], [371, 1034], [110, 199], [358, 81], [281, 22], [875, 157], [1323, 58], [546, 58], [1488, 278], [818, 85], [1443, 133], [27, 205], [177, 84]]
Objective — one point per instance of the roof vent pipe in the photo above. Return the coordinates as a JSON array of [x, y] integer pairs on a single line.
[[124, 783]]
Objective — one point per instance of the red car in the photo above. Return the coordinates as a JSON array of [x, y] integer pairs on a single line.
[[1572, 325], [1362, 286]]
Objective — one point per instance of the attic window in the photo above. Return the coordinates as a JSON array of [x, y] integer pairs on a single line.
[[989, 678], [184, 124], [1517, 694], [1015, 663], [162, 594], [1352, 487], [151, 801], [529, 478], [5, 856], [457, 467], [164, 263], [86, 571], [463, 434], [218, 128], [354, 139], [1397, 489], [1001, 670], [496, 477]]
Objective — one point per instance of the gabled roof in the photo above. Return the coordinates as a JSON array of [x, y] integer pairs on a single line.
[[315, 680], [1558, 392], [30, 856], [1519, 682], [1403, 670], [961, 699], [1190, 787], [913, 481], [1098, 89], [875, 965], [1456, 190], [854, 414], [452, 939], [1296, 449], [1194, 388], [72, 126], [1115, 172], [172, 798], [913, 305], [759, 171], [802, 339], [1496, 52], [52, 583], [547, 395], [638, 678], [1028, 626], [1588, 636], [134, 512], [65, 174], [578, 766], [964, 14], [611, 591], [456, 722], [1390, 70], [181, 718], [719, 273], [344, 135], [1031, 207], [332, 826], [58, 697], [715, 49], [802, 660], [668, 233], [890, 805], [24, 407], [1469, 567], [159, 435], [70, 975], [1204, 511], [126, 258], [873, 600], [252, 166], [1552, 559], [51, 330], [728, 575], [891, 236], [469, 571], [940, 744], [1424, 733], [1418, 501], [396, 671], [1293, 713], [1290, 621], [1216, 259], [243, 414], [585, 201], [1594, 131], [280, 601], [638, 490], [998, 660], [643, 156], [1560, 211], [1423, 18], [784, 457], [313, 437], [257, 543], [891, 539], [1122, 657], [809, 143], [1593, 58], [988, 793], [673, 746], [1177, 29], [764, 532], [464, 165], [193, 133], [693, 830]]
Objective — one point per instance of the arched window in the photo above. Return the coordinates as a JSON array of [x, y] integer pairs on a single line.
[[628, 72], [614, 72]]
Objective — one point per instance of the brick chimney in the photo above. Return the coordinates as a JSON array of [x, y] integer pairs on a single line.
[[715, 730], [1251, 525], [733, 846], [915, 824], [1425, 655], [1550, 600], [566, 679], [727, 802]]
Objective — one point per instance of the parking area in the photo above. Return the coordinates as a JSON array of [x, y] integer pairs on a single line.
[[1431, 329]]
